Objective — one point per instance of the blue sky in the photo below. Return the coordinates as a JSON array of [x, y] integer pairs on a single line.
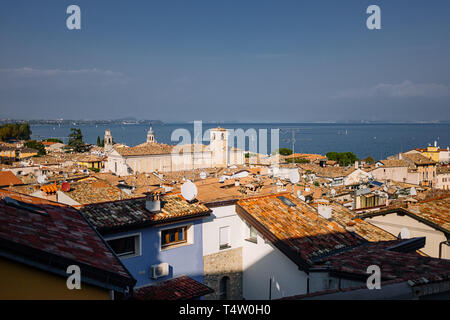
[[252, 60]]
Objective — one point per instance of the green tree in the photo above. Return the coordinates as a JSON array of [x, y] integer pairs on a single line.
[[76, 140], [36, 145], [344, 158], [284, 151], [297, 160], [369, 160], [19, 131], [53, 140], [100, 143]]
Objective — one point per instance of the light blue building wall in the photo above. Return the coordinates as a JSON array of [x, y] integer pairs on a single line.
[[183, 260]]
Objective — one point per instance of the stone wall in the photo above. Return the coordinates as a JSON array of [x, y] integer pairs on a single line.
[[224, 264]]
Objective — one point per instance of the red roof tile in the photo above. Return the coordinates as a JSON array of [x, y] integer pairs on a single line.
[[180, 288], [8, 178], [63, 234]]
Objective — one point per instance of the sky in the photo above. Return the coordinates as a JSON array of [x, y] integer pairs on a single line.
[[225, 60]]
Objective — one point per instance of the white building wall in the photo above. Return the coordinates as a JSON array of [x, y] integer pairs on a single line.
[[394, 223], [261, 262], [443, 181], [222, 217], [399, 174]]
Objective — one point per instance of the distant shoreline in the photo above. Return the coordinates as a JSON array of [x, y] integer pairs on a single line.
[[159, 122]]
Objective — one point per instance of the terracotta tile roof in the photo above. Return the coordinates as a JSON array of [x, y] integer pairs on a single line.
[[308, 156], [8, 178], [108, 177], [435, 211], [347, 219], [299, 229], [147, 148], [88, 192], [394, 163], [443, 169], [87, 158], [327, 172], [393, 264], [418, 159], [142, 180], [132, 213], [180, 288], [62, 233]]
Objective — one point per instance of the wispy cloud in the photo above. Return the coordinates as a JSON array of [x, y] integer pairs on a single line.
[[405, 89], [270, 55], [99, 76]]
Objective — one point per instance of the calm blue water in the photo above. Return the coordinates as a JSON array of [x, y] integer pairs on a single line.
[[376, 140]]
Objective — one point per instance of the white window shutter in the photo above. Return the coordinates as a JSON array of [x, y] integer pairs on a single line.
[[224, 235]]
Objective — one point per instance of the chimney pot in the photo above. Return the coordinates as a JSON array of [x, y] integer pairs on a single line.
[[153, 202]]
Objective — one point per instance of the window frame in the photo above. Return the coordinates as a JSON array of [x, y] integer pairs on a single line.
[[188, 234], [250, 238], [137, 245], [228, 244]]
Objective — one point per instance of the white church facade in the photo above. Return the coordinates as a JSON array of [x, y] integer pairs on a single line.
[[152, 156]]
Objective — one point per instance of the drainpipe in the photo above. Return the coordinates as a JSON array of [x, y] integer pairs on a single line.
[[446, 242], [270, 288]]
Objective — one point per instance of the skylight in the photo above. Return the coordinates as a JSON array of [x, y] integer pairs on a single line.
[[286, 201], [25, 206]]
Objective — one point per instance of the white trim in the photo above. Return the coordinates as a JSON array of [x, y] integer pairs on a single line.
[[137, 243]]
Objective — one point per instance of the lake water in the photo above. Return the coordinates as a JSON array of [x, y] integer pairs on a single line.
[[376, 140]]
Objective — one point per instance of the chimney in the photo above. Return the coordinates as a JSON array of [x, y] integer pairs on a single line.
[[325, 210], [356, 165], [435, 143], [350, 226], [153, 202]]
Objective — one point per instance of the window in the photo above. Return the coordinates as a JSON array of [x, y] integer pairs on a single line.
[[174, 236], [224, 238], [252, 234], [224, 288], [126, 246]]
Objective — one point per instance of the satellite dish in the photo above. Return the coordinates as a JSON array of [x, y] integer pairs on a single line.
[[333, 192], [302, 198], [189, 190], [65, 186], [404, 233], [385, 188], [413, 191], [294, 177], [41, 179], [203, 175]]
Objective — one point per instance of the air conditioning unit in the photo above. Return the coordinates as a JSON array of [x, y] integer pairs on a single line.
[[159, 270]]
